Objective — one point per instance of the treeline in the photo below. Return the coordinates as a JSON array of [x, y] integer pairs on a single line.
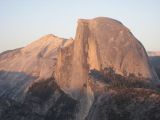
[[109, 76]]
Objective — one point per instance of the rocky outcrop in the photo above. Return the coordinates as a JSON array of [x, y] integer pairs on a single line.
[[21, 67], [100, 43], [116, 47], [72, 79]]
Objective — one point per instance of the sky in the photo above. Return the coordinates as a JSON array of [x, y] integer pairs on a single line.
[[24, 21]]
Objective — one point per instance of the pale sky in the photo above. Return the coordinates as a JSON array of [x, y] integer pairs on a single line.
[[23, 21]]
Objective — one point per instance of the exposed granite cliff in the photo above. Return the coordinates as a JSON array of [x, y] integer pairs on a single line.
[[59, 79]]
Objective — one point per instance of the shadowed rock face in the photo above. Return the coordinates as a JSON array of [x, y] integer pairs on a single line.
[[43, 101], [58, 79]]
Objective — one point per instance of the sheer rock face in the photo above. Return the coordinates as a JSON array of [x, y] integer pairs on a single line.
[[116, 47], [101, 43]]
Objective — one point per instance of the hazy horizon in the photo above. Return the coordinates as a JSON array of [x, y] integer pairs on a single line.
[[22, 22]]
